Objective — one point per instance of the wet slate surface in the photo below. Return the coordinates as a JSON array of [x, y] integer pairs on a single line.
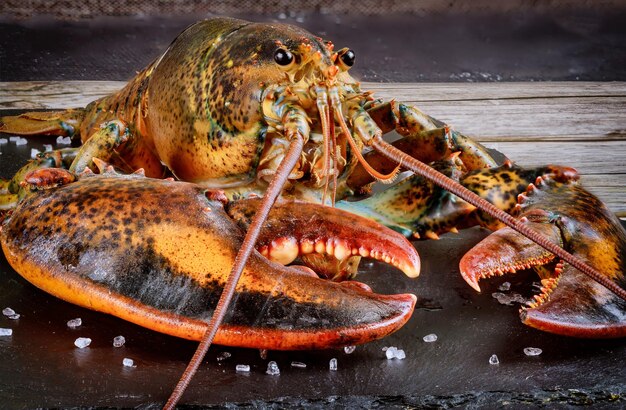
[[39, 365]]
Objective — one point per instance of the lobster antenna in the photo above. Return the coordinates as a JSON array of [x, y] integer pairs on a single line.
[[271, 194], [459, 190]]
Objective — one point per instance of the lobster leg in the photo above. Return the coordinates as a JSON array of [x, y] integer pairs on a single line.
[[60, 123], [11, 191], [424, 138], [417, 207], [101, 145]]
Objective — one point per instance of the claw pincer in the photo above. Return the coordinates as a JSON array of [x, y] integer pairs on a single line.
[[571, 303], [157, 252]]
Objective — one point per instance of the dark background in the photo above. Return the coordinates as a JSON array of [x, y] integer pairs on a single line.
[[526, 45]]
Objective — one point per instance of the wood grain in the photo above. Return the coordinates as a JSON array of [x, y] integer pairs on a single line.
[[581, 124]]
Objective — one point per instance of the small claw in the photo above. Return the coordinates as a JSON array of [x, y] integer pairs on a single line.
[[570, 303], [297, 228]]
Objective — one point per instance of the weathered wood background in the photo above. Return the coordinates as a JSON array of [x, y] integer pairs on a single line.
[[581, 124]]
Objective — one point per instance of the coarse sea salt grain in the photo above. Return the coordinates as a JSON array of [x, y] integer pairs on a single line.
[[3, 141], [5, 332], [64, 140], [298, 364], [34, 152], [532, 351], [82, 342], [349, 349], [332, 364], [242, 368], [47, 147], [119, 341], [493, 359], [223, 356], [74, 323], [14, 139], [430, 338], [393, 352], [21, 141], [128, 362], [504, 286], [10, 313], [272, 369], [508, 299]]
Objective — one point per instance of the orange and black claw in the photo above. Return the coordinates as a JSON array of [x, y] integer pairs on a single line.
[[570, 303], [157, 253], [296, 229]]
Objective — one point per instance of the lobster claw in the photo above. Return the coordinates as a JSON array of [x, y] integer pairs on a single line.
[[570, 302], [157, 253]]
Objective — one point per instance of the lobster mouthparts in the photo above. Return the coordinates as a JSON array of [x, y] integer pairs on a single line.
[[570, 302], [157, 253]]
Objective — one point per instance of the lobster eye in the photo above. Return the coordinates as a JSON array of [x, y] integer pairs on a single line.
[[347, 57], [283, 57]]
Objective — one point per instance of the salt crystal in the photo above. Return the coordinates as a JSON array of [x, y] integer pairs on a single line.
[[272, 369], [430, 338], [82, 342], [21, 141], [64, 140], [118, 341], [508, 299], [47, 147], [242, 368], [74, 323], [298, 364], [223, 356], [3, 141], [393, 352], [494, 359], [263, 354], [128, 362], [349, 349], [332, 365], [34, 152], [505, 286], [8, 311], [14, 139], [532, 351], [5, 332], [282, 16]]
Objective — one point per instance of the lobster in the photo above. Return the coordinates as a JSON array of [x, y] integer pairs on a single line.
[[267, 110]]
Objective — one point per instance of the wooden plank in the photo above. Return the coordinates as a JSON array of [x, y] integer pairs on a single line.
[[589, 158], [433, 92], [488, 111]]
